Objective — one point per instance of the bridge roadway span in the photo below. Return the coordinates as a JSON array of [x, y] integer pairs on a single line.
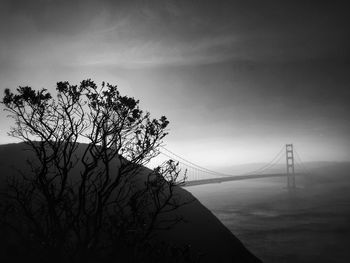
[[232, 178]]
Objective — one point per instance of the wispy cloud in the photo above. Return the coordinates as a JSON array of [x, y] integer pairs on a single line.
[[148, 34], [148, 52]]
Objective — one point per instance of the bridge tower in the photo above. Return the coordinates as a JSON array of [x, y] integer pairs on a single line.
[[290, 166]]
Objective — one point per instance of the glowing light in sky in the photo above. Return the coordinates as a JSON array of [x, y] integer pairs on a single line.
[[236, 80]]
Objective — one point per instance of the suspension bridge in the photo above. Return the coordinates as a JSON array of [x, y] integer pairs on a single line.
[[287, 163]]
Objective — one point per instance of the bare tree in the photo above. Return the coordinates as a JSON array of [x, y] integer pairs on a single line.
[[87, 194]]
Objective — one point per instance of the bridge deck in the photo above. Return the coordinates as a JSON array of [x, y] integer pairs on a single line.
[[231, 178]]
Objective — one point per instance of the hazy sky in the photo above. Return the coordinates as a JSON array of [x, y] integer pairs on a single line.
[[237, 79]]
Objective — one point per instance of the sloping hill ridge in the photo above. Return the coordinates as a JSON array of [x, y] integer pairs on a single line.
[[201, 230]]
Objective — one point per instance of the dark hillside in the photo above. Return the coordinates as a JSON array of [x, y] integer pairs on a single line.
[[205, 236]]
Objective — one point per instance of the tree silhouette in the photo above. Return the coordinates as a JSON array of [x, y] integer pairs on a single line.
[[87, 195]]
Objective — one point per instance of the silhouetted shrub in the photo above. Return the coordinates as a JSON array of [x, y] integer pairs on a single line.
[[86, 196]]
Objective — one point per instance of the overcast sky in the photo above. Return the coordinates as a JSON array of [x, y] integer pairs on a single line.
[[237, 80]]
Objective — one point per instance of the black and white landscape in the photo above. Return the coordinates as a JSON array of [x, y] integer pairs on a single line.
[[238, 81]]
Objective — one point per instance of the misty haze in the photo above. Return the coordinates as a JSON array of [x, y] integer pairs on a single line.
[[309, 224], [174, 131]]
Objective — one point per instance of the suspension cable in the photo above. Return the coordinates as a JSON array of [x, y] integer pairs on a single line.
[[190, 166], [268, 165], [195, 165], [302, 164]]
